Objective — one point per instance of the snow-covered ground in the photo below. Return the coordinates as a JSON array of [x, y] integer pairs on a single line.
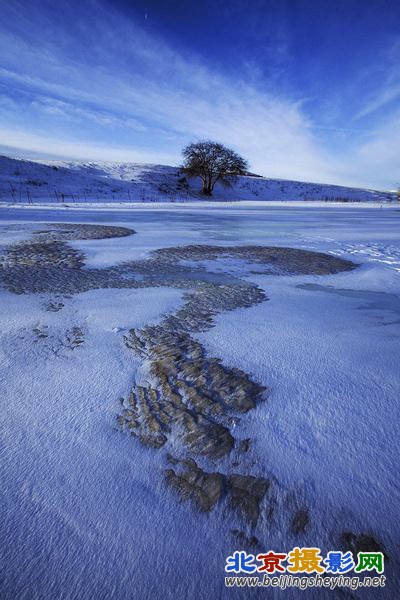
[[24, 181], [85, 510]]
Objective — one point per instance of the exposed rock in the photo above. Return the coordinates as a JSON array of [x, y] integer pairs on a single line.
[[209, 439], [48, 264], [197, 392], [246, 493], [74, 337], [145, 417], [192, 483], [288, 260], [192, 396], [244, 445], [243, 540], [362, 542], [54, 305], [300, 521]]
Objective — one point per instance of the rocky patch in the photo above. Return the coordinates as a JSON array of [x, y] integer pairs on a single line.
[[191, 400], [244, 493]]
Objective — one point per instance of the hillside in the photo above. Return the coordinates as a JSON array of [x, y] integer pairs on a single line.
[[25, 181]]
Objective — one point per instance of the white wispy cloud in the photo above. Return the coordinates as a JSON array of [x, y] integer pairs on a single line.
[[69, 110], [384, 78], [22, 142], [387, 94]]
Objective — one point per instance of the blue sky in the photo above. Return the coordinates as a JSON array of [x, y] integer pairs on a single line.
[[304, 89]]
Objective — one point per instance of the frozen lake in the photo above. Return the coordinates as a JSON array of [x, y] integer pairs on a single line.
[[86, 511], [240, 222]]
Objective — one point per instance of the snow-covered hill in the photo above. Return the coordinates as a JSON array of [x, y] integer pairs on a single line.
[[25, 181]]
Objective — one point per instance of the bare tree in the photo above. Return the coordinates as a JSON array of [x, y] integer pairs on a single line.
[[212, 162]]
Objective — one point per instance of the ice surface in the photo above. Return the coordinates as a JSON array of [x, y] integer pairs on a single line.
[[85, 512]]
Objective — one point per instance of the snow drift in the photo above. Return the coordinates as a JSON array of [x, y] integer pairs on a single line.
[[25, 181]]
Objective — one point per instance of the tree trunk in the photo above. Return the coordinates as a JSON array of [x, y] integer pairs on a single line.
[[207, 187]]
